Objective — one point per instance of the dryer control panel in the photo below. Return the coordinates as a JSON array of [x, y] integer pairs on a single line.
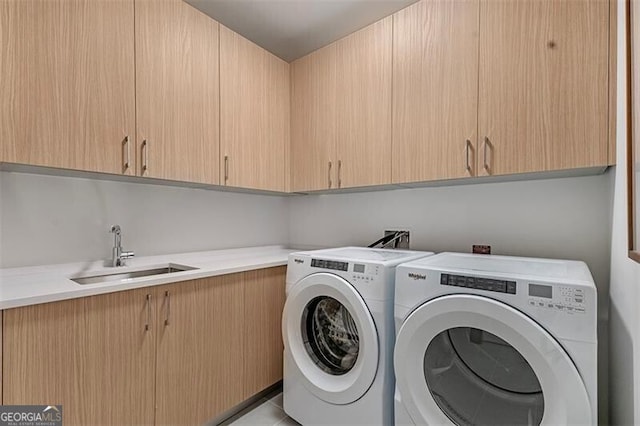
[[559, 298], [479, 283]]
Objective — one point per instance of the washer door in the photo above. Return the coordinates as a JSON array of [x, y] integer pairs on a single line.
[[470, 360], [331, 337]]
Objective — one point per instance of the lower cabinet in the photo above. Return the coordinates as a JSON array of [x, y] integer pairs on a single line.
[[181, 353], [264, 295], [200, 349]]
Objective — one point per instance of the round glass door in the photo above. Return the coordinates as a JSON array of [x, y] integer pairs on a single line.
[[477, 378], [330, 338], [330, 335], [470, 360]]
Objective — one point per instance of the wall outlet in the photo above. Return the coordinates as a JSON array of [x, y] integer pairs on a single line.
[[481, 249], [402, 242]]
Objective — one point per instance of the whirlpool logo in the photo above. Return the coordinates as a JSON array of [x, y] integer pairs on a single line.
[[298, 260], [417, 276]]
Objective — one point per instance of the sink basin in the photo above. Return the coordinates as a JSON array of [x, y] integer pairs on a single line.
[[118, 276]]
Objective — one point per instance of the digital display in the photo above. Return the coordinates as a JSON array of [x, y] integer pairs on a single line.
[[537, 290], [329, 264], [358, 268]]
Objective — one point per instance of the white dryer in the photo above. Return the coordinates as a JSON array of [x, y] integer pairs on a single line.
[[338, 335], [495, 340]]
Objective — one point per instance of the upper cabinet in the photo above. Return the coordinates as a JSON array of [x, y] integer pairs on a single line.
[[67, 85], [341, 112], [313, 121], [254, 115], [177, 92], [544, 85], [363, 106], [439, 90], [435, 90]]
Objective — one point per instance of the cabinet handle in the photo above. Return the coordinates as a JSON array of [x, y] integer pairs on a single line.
[[485, 164], [468, 148], [226, 169], [339, 173], [147, 326], [167, 297], [329, 175], [145, 155], [128, 153]]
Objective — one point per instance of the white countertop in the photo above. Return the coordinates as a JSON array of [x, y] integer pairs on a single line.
[[49, 283]]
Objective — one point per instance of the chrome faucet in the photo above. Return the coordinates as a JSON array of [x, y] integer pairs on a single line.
[[119, 256]]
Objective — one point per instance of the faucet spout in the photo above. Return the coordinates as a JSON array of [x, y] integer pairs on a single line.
[[118, 257]]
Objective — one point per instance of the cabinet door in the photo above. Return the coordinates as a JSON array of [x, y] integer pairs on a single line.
[[119, 353], [264, 295], [43, 361], [543, 85], [363, 107], [254, 114], [92, 355], [435, 90], [200, 350], [177, 87], [67, 86], [313, 121]]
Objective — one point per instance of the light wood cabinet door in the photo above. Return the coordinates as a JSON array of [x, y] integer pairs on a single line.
[[313, 121], [119, 355], [200, 350], [254, 115], [177, 92], [43, 360], [67, 86], [264, 296], [92, 355], [543, 102], [435, 90], [363, 107]]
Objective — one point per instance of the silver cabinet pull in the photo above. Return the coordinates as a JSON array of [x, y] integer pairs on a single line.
[[147, 326], [339, 173], [468, 163], [226, 169], [127, 161], [485, 164], [145, 156], [167, 297], [329, 175]]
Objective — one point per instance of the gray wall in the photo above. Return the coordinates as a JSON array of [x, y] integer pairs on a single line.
[[561, 218], [50, 219], [624, 368]]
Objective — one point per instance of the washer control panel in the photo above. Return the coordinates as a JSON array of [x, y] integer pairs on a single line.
[[364, 272], [558, 298], [329, 264]]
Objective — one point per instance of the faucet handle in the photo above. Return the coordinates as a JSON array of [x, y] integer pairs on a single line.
[[115, 229], [127, 255]]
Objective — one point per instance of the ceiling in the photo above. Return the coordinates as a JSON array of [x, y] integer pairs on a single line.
[[292, 28]]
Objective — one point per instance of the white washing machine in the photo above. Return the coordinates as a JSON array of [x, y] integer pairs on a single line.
[[495, 340], [338, 335]]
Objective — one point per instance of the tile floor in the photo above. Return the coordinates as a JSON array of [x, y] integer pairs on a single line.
[[267, 411]]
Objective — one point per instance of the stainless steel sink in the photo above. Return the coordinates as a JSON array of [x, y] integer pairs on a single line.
[[118, 276]]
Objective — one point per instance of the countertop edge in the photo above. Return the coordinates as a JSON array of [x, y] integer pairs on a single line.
[[62, 288]]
